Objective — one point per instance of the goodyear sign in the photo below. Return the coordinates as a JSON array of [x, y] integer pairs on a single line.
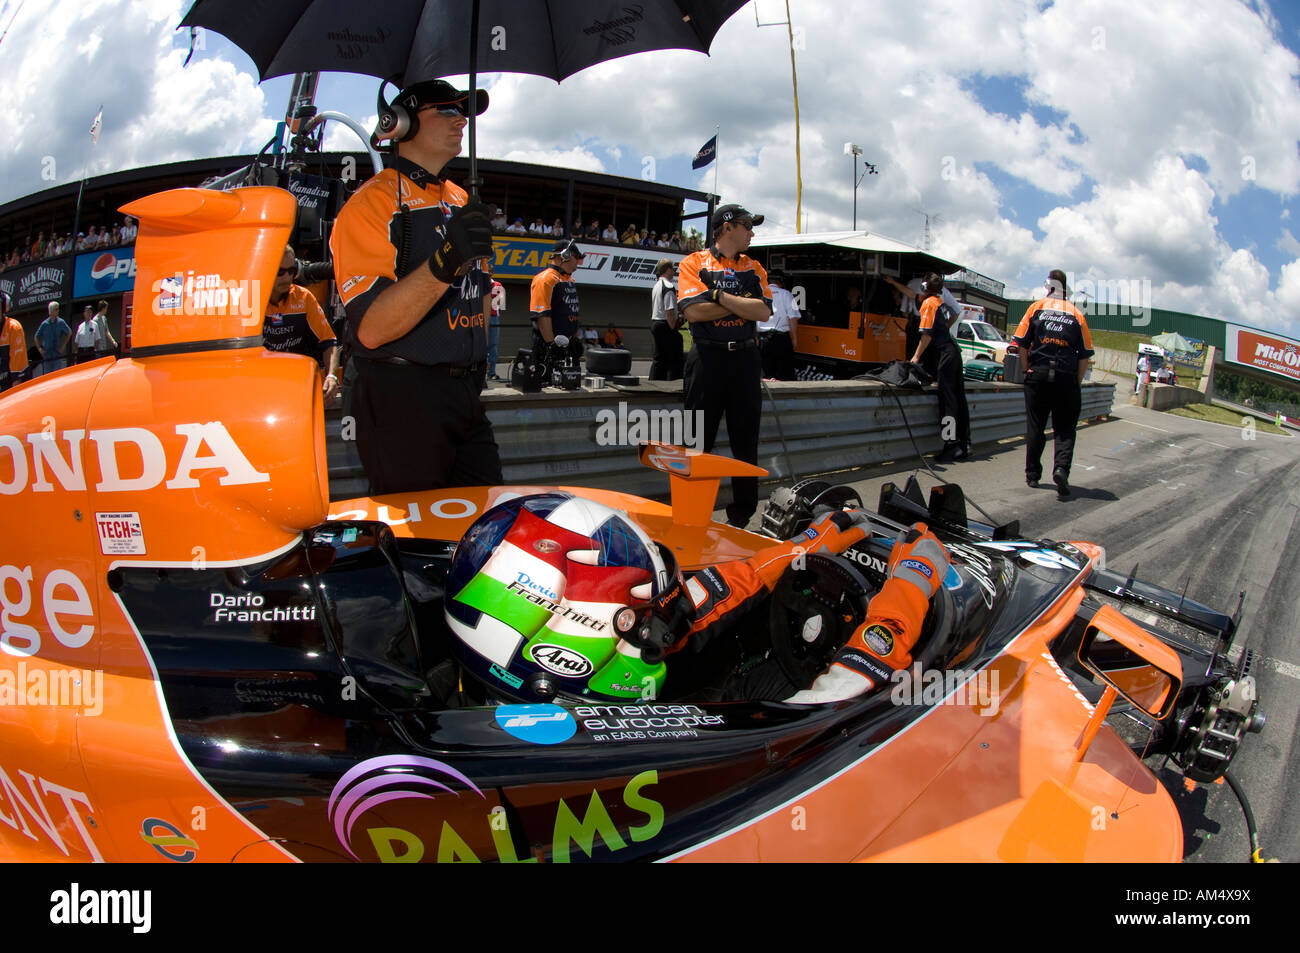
[[104, 273], [608, 265]]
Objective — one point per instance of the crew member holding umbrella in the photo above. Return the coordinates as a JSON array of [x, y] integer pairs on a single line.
[[405, 248]]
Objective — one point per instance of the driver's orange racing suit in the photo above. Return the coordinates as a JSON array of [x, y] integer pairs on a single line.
[[882, 643]]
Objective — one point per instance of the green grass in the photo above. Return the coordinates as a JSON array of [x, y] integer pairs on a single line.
[[1119, 340], [1221, 415]]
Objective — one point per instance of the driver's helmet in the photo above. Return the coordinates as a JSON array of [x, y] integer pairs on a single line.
[[553, 595]]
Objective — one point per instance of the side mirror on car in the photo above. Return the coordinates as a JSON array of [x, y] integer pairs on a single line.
[[1130, 662]]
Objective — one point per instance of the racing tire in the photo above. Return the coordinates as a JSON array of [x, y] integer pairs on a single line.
[[608, 361]]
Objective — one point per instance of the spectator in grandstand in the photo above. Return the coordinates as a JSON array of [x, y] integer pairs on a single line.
[[517, 227], [499, 222], [557, 228], [539, 228], [610, 234], [675, 242], [592, 234], [629, 235]]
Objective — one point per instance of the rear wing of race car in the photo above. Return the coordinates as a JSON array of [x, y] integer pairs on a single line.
[[946, 511]]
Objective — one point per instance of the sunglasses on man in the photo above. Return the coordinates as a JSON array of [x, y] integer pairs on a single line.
[[447, 112]]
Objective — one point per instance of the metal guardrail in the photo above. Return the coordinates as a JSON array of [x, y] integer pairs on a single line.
[[563, 438]]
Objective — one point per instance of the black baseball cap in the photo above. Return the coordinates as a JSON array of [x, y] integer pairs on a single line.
[[439, 92], [729, 213]]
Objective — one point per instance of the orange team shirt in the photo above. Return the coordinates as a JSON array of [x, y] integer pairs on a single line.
[[1054, 334], [738, 276], [364, 248], [554, 294], [297, 325], [16, 342], [931, 324]]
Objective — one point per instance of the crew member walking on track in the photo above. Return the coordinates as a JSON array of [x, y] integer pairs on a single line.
[[553, 301], [778, 335], [665, 323], [405, 248], [295, 323], [1055, 346], [937, 352], [724, 294]]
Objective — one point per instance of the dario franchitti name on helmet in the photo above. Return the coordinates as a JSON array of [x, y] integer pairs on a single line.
[[564, 612], [616, 717]]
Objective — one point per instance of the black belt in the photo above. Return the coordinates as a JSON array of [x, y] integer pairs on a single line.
[[449, 370], [726, 345], [768, 334]]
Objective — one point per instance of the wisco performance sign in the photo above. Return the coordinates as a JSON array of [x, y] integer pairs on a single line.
[[1264, 352]]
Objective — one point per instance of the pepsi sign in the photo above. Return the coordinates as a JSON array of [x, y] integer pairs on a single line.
[[105, 272]]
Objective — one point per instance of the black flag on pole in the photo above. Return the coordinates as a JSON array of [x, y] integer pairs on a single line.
[[708, 152]]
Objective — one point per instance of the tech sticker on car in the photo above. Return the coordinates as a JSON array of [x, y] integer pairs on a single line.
[[538, 724], [120, 534]]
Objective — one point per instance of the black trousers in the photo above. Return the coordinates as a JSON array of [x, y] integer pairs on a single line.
[[419, 429], [778, 355], [952, 395], [730, 383], [666, 364], [1060, 399]]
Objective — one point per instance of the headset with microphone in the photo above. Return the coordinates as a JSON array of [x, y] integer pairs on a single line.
[[569, 252]]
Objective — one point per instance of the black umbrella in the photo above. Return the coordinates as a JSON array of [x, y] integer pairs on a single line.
[[415, 40]]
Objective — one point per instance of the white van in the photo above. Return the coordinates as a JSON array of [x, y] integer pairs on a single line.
[[976, 338]]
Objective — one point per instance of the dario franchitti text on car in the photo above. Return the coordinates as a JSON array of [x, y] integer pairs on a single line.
[[249, 609], [614, 717]]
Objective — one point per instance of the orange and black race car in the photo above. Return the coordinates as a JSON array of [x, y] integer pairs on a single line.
[[205, 660]]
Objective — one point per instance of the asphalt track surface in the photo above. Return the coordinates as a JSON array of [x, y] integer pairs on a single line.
[[1206, 506]]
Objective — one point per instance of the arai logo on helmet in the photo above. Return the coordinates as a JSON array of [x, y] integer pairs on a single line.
[[546, 546], [561, 661]]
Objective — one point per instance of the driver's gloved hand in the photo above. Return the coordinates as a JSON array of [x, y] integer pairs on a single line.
[[833, 532], [883, 643]]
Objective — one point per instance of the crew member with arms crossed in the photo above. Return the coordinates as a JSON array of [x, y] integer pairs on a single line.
[[724, 294], [553, 301], [295, 323], [404, 249], [1055, 345]]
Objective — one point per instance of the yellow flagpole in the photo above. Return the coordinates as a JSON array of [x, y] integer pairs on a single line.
[[798, 172]]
